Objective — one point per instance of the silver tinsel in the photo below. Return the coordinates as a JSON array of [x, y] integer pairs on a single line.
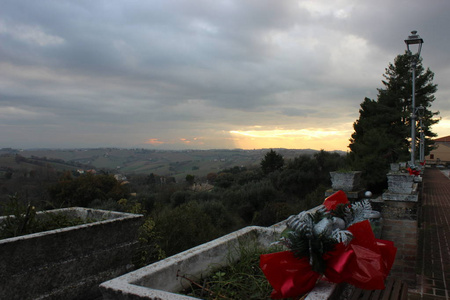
[[329, 226]]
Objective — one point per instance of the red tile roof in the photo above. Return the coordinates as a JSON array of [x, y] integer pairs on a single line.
[[445, 139]]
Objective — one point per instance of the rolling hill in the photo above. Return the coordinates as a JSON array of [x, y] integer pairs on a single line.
[[143, 161]]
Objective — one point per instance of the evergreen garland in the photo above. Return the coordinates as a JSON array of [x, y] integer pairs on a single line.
[[312, 234]]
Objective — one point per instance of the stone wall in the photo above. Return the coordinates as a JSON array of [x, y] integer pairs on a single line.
[[402, 187], [68, 263], [400, 211], [405, 235]]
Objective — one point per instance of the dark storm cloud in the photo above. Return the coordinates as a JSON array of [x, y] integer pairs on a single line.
[[211, 64]]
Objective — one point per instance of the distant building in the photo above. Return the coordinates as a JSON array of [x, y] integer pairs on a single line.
[[120, 177], [199, 187], [441, 153]]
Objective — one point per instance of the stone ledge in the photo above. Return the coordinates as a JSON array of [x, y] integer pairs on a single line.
[[400, 197], [352, 195]]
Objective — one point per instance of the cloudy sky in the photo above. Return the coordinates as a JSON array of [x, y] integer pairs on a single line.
[[204, 74]]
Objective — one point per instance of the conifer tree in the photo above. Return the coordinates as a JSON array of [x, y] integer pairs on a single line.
[[271, 162], [382, 132]]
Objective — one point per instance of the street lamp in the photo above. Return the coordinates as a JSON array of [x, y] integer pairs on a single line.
[[420, 111], [414, 40]]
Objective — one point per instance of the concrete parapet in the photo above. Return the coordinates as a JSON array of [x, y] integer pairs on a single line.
[[401, 187], [346, 181], [400, 183], [351, 195], [400, 212], [159, 280], [68, 263], [401, 197]]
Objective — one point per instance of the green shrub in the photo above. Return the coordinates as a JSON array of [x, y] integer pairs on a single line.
[[239, 280], [21, 219], [148, 250], [184, 227]]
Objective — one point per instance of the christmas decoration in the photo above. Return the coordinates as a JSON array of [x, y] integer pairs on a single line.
[[413, 171], [335, 241]]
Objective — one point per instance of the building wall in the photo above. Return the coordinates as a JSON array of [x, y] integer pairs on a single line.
[[439, 155]]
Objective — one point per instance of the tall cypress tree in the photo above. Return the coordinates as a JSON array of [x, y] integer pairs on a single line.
[[382, 132]]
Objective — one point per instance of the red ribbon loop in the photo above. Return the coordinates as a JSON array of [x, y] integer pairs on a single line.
[[365, 262]]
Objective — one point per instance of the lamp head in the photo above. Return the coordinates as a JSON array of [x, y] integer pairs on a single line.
[[414, 39]]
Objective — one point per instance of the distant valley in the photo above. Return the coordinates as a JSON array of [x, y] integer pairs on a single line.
[[142, 161]]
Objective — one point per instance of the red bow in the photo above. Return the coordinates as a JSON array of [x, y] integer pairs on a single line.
[[332, 202], [413, 172], [365, 262]]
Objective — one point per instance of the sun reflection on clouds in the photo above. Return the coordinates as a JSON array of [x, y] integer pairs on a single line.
[[280, 133], [327, 139], [176, 142], [195, 140], [154, 142]]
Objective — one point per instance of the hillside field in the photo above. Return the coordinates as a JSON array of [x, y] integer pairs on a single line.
[[143, 161]]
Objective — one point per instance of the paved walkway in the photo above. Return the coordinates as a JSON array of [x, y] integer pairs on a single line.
[[433, 261]]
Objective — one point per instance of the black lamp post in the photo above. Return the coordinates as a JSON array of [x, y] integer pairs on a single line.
[[421, 111], [414, 40]]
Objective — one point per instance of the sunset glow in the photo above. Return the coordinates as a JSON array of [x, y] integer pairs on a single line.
[[153, 142], [442, 128], [327, 139]]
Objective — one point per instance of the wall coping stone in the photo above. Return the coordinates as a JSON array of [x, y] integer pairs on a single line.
[[158, 280]]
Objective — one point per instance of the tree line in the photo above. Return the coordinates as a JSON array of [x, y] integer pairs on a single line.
[[179, 217]]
